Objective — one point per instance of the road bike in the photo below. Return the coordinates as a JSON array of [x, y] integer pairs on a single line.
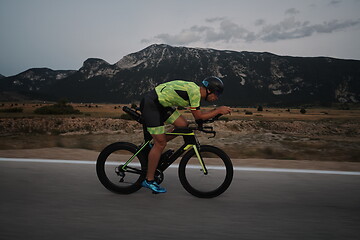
[[204, 171]]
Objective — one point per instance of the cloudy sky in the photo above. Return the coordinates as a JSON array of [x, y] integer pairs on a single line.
[[61, 34]]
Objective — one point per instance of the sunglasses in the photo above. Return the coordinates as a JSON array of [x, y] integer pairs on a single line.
[[216, 93]]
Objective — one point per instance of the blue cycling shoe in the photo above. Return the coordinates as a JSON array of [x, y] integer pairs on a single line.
[[153, 186]]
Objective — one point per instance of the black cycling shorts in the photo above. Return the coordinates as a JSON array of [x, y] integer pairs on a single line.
[[155, 115]]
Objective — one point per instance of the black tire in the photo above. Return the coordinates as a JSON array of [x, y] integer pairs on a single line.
[[110, 174], [218, 179]]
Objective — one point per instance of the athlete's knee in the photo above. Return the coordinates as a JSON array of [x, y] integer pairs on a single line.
[[160, 144], [160, 141], [181, 122]]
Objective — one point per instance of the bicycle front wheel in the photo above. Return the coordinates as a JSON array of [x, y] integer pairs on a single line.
[[206, 184], [114, 175]]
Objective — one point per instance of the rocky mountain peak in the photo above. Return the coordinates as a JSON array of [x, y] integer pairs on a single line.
[[250, 78], [95, 67], [94, 63], [144, 57]]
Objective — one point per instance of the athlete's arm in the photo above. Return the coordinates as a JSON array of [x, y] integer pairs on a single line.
[[200, 115]]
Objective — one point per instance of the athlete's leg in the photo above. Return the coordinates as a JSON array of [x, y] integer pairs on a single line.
[[179, 122], [152, 114], [154, 155], [176, 119], [159, 146]]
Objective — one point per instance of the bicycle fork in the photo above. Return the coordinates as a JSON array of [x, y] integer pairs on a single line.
[[201, 161]]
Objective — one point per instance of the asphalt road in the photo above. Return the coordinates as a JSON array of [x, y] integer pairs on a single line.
[[66, 201]]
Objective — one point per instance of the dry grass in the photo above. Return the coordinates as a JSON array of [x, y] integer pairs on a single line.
[[320, 134], [286, 114]]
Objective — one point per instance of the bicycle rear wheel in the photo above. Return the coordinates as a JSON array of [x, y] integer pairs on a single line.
[[219, 172], [109, 168]]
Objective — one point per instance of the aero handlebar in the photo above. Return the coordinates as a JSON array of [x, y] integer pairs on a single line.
[[207, 129]]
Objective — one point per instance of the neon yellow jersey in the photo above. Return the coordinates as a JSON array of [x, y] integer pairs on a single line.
[[179, 93]]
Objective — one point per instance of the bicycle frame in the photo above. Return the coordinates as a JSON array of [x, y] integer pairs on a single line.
[[190, 141]]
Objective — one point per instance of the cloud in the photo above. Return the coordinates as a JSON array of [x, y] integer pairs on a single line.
[[225, 30], [259, 22], [216, 19], [292, 29], [184, 37], [335, 2], [292, 11]]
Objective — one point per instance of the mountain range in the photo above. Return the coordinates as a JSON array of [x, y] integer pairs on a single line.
[[250, 78]]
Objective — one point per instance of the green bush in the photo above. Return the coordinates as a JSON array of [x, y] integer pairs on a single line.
[[57, 109], [12, 110]]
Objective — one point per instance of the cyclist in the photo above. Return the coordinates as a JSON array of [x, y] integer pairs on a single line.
[[158, 107]]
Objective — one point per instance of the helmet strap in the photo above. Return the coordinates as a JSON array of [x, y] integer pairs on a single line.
[[207, 94]]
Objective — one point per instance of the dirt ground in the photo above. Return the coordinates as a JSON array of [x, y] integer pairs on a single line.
[[297, 144], [319, 139]]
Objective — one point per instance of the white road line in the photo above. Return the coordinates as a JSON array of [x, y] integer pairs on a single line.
[[286, 170], [32, 160], [250, 169]]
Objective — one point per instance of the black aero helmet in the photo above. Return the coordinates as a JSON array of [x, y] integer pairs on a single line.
[[214, 84]]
